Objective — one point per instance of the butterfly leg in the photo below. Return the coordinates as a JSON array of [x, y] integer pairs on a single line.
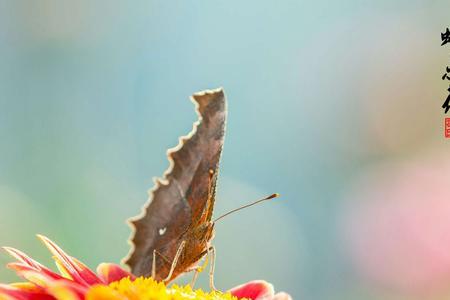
[[154, 264], [194, 278], [156, 252], [197, 270], [212, 254], [175, 260]]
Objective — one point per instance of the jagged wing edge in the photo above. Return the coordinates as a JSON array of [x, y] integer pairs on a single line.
[[158, 180]]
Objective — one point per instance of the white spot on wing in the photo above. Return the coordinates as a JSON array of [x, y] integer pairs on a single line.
[[161, 231]]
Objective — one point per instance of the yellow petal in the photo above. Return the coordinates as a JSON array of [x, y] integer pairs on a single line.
[[102, 292]]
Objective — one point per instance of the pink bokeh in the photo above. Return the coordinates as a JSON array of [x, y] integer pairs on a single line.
[[397, 225]]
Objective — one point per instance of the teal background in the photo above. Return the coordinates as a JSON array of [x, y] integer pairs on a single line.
[[325, 97]]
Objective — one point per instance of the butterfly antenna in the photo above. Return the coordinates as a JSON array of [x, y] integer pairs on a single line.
[[247, 205]]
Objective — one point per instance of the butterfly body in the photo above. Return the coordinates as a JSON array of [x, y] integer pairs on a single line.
[[197, 243], [174, 230]]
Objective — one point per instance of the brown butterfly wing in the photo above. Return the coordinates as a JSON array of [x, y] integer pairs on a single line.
[[179, 199]]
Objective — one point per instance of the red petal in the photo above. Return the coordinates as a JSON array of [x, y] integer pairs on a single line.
[[77, 270], [33, 276], [257, 289], [112, 272], [64, 289], [22, 257], [17, 294], [32, 264], [28, 273], [89, 276]]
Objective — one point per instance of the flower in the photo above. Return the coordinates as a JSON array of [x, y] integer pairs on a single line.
[[77, 282]]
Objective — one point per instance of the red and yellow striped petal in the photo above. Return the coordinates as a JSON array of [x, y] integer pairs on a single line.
[[67, 290], [32, 264], [8, 292], [79, 272], [112, 272]]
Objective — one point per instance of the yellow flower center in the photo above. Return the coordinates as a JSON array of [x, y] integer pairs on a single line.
[[148, 289]]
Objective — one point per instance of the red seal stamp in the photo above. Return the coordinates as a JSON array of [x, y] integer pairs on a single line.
[[447, 127]]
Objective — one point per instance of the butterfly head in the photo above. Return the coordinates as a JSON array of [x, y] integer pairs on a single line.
[[204, 232]]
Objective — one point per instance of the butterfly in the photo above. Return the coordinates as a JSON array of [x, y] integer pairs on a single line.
[[174, 230]]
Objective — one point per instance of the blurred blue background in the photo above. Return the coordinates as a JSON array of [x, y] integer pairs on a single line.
[[333, 104]]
